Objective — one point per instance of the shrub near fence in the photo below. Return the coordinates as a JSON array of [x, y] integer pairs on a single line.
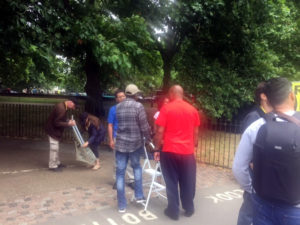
[[218, 140]]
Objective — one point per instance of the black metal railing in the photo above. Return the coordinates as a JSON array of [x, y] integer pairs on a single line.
[[218, 139], [21, 120]]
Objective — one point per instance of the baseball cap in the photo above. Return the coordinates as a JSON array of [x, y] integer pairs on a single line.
[[132, 89]]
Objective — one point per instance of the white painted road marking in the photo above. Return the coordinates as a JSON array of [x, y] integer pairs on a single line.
[[111, 221], [130, 218], [226, 196], [28, 171]]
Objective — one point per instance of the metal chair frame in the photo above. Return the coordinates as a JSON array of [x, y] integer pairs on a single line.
[[154, 172]]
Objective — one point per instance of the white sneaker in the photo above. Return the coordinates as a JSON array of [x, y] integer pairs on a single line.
[[122, 210], [141, 200]]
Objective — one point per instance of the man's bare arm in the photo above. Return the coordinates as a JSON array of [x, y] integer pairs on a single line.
[[110, 136], [196, 136], [158, 138]]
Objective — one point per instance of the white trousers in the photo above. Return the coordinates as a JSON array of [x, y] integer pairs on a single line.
[[54, 151]]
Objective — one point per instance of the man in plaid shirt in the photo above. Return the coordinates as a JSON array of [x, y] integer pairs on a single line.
[[133, 127]]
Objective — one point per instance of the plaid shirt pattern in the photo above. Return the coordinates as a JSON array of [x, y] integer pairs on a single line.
[[132, 126]]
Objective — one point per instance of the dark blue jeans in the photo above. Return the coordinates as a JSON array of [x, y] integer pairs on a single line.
[[267, 213], [246, 210], [121, 162], [179, 169]]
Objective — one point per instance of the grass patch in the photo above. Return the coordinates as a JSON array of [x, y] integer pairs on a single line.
[[15, 99]]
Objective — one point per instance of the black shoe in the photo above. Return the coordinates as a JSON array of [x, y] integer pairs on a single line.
[[114, 186], [61, 166], [171, 215], [131, 185], [57, 169], [189, 213]]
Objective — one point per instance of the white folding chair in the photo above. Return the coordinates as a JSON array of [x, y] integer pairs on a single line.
[[156, 185]]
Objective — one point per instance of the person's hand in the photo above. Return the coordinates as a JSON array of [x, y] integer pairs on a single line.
[[251, 166], [157, 156], [112, 144], [85, 144], [151, 145], [71, 123]]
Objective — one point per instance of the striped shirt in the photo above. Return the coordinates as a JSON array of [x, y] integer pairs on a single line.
[[132, 126]]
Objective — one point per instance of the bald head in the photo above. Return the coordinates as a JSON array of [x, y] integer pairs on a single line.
[[176, 92]]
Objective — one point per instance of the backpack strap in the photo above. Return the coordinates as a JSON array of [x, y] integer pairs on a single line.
[[268, 116], [297, 115], [289, 118], [260, 112]]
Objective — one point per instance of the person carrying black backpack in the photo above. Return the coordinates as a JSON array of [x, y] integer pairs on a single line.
[[272, 143], [262, 107]]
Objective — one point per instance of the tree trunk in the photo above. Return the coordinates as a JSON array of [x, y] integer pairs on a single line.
[[167, 67], [94, 103]]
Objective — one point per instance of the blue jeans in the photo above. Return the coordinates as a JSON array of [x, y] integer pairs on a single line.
[[267, 213], [246, 210], [121, 162], [94, 149]]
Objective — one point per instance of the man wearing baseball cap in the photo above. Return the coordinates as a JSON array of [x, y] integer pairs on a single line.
[[133, 127]]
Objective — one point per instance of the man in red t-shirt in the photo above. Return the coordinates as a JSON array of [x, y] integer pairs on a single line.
[[178, 124]]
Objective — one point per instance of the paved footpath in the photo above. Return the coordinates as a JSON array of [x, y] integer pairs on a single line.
[[31, 194]]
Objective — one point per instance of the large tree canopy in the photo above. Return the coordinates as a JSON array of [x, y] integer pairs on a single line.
[[220, 49], [82, 30], [107, 47], [168, 22], [217, 49], [233, 47]]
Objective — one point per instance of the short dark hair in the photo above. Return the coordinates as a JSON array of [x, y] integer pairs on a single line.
[[82, 118], [260, 89], [160, 101], [277, 90], [118, 91]]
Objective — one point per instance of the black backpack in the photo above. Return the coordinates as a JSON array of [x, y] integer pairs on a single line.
[[276, 160]]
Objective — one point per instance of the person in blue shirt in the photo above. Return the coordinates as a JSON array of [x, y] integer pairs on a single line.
[[112, 133]]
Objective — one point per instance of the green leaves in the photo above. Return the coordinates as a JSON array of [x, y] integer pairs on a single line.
[[239, 45], [217, 49]]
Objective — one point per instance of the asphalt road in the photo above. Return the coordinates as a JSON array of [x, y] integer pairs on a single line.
[[30, 194]]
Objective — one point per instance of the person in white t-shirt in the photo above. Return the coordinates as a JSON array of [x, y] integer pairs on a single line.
[[160, 103]]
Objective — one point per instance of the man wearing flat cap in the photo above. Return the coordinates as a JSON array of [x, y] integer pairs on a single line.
[[133, 127], [56, 123]]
